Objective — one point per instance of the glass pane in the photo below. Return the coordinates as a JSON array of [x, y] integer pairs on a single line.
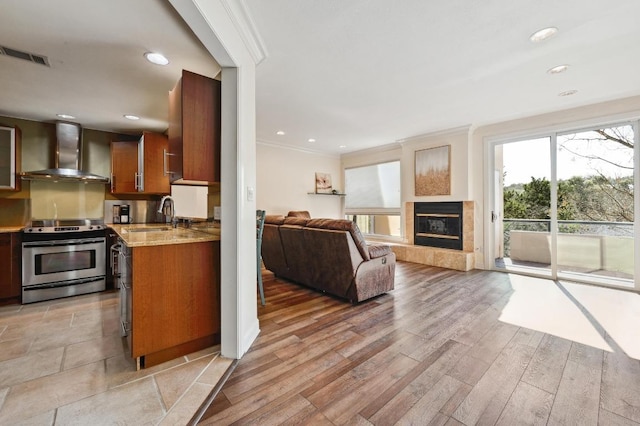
[[523, 206], [52, 263], [595, 204], [388, 225], [376, 186]]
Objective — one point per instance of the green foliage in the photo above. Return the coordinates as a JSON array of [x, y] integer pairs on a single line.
[[594, 198], [514, 206]]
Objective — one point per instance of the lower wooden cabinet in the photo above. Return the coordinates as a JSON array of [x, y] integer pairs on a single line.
[[10, 267], [175, 300]]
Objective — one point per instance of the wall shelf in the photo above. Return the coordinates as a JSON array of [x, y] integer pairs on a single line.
[[338, 194]]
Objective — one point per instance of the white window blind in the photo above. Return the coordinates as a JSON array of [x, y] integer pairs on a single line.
[[373, 189]]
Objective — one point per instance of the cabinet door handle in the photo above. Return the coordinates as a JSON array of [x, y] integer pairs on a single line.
[[113, 182], [138, 182], [165, 163]]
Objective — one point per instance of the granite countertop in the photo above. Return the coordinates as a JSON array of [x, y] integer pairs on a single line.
[[6, 229], [157, 234]]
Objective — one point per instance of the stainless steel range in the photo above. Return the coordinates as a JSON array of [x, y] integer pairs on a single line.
[[62, 258]]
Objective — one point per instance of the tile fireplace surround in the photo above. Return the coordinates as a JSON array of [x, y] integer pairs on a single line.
[[461, 260]]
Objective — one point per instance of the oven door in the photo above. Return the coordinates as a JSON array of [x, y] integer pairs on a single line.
[[45, 262]]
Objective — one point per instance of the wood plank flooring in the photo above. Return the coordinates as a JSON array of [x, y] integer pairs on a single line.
[[431, 352]]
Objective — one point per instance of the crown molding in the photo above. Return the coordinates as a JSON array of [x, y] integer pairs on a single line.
[[295, 148], [373, 150], [245, 25], [447, 132]]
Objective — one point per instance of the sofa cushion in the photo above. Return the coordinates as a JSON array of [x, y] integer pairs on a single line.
[[299, 213], [292, 220], [274, 219], [343, 225]]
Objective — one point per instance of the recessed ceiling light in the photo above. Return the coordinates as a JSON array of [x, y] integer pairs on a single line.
[[543, 34], [279, 133], [343, 146], [568, 93], [311, 140], [66, 116], [558, 69], [131, 117], [156, 58]]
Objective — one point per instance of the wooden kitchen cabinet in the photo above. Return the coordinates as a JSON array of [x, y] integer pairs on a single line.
[[10, 138], [138, 167], [10, 267], [194, 129], [175, 308], [124, 167], [151, 149]]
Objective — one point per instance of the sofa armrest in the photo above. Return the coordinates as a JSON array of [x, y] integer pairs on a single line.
[[378, 250]]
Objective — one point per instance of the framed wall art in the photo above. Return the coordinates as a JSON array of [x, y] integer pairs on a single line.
[[323, 183], [433, 171]]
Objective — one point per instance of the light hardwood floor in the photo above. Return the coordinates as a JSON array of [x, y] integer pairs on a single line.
[[443, 348]]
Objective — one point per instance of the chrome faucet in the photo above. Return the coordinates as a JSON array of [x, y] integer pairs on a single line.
[[172, 211]]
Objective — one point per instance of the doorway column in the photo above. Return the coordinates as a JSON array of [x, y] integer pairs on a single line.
[[224, 29]]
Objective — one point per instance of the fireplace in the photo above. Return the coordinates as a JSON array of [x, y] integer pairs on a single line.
[[438, 224]]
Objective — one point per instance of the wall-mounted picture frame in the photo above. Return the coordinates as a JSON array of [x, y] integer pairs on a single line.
[[433, 171], [323, 183]]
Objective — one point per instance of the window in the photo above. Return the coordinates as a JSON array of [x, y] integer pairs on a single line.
[[373, 198]]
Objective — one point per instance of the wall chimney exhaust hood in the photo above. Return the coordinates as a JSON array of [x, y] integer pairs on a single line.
[[68, 158]]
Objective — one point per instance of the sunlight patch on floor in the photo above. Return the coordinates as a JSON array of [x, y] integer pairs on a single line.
[[617, 311], [540, 304]]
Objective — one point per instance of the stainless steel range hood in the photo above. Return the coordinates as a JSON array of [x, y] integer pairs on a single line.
[[68, 159]]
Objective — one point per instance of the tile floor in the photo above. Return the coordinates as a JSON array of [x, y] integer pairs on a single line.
[[63, 362]]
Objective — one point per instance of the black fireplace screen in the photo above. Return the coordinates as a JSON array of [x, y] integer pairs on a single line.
[[438, 224]]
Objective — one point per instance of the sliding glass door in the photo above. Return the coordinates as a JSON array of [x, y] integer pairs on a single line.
[[522, 212], [595, 205], [564, 205]]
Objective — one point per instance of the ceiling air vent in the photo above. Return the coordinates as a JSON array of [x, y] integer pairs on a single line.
[[31, 57]]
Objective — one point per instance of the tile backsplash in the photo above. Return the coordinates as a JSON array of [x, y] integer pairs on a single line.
[[66, 200]]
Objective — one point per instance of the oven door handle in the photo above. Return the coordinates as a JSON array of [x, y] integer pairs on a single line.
[[61, 243], [59, 284]]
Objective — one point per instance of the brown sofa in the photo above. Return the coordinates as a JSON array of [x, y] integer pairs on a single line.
[[329, 255]]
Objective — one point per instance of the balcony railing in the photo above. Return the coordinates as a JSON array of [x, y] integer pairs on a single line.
[[589, 245]]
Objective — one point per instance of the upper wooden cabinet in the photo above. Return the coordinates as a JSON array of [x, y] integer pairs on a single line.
[[124, 167], [10, 158], [138, 167], [194, 129]]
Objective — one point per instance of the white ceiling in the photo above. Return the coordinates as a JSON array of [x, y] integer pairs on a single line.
[[362, 73], [359, 73]]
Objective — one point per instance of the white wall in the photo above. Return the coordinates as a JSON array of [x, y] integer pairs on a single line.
[[458, 140], [285, 176]]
